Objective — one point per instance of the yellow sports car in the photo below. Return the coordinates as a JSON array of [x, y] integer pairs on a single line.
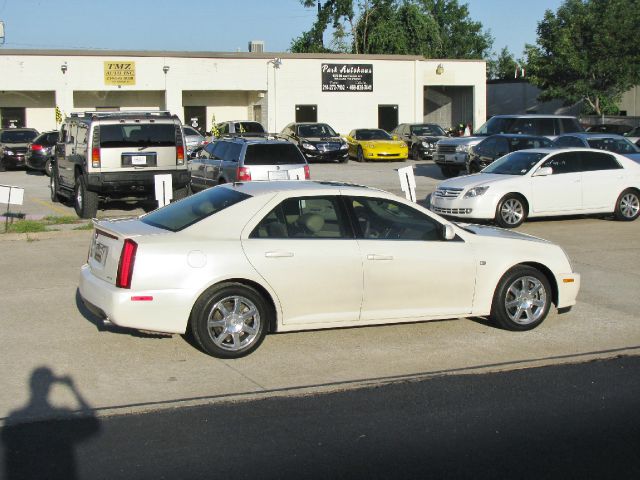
[[375, 144]]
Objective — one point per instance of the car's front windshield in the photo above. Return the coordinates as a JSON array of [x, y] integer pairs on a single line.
[[18, 136], [616, 145], [372, 134], [317, 130], [423, 130], [516, 163], [494, 126]]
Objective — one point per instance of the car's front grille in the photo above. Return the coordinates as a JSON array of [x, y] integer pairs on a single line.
[[388, 154], [19, 150], [447, 192], [445, 148], [328, 147], [452, 211]]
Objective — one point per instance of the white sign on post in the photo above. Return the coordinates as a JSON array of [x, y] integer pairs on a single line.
[[408, 182], [11, 195], [164, 189]]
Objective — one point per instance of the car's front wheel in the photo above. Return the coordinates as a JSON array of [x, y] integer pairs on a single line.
[[229, 320], [628, 205], [522, 299], [360, 155], [511, 211]]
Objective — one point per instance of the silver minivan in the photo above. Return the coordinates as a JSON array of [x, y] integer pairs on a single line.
[[243, 159], [105, 156]]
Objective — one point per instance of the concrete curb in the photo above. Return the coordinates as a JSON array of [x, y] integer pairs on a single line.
[[36, 236]]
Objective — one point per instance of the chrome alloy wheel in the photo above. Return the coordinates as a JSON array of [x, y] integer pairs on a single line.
[[233, 323], [629, 205], [525, 300], [512, 211]]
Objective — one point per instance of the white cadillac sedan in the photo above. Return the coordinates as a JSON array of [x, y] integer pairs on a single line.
[[544, 182], [237, 261]]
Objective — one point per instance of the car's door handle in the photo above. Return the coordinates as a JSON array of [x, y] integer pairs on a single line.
[[278, 254], [373, 256]]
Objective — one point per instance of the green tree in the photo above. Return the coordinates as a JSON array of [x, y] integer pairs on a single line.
[[587, 51], [505, 66], [432, 28]]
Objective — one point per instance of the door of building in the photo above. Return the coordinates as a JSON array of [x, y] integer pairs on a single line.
[[306, 113], [13, 117], [387, 117], [196, 117]]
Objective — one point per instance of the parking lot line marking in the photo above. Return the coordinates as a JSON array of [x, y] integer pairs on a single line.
[[52, 207]]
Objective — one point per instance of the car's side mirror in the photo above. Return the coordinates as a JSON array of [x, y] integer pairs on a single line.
[[395, 137], [448, 232], [543, 172]]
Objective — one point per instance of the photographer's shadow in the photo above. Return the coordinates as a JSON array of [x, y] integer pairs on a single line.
[[40, 439]]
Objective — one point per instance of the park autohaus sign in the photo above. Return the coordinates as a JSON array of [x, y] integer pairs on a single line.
[[345, 77]]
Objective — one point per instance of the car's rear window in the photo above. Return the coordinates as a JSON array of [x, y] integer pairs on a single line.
[[180, 215], [273, 154], [18, 136], [249, 127], [137, 135]]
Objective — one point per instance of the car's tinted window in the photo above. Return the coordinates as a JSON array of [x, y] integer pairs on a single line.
[[382, 219], [617, 145], [51, 138], [516, 163], [567, 162], [502, 146], [564, 142], [304, 217], [534, 126], [372, 134], [496, 125], [18, 136], [179, 215], [316, 130], [570, 125], [127, 135], [248, 127], [273, 154], [524, 143], [488, 145], [592, 161], [190, 131], [422, 130]]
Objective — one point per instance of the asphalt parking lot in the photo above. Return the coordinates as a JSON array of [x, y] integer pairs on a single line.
[[118, 371]]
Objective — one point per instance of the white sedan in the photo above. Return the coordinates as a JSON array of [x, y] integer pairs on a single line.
[[239, 260], [544, 182]]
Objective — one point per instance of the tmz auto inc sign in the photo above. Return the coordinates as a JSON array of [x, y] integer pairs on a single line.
[[343, 77], [119, 73]]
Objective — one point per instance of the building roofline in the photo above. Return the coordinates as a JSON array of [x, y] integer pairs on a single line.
[[229, 55]]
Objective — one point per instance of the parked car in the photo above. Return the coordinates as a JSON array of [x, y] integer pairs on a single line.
[[496, 146], [193, 139], [104, 156], [614, 128], [601, 141], [13, 146], [317, 141], [421, 138], [451, 154], [375, 144], [633, 136], [41, 152], [240, 159], [237, 261], [541, 183], [240, 127]]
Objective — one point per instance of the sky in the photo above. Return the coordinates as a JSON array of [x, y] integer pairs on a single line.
[[214, 25]]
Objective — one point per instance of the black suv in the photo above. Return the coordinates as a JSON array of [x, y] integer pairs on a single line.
[[13, 146], [318, 141], [421, 138], [41, 152], [496, 146]]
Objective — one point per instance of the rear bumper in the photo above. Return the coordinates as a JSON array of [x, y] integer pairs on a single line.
[[168, 312], [139, 184], [36, 162]]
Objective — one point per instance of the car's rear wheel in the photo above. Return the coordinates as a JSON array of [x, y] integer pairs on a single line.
[[53, 186], [628, 205], [229, 320], [522, 299], [360, 155], [511, 211], [85, 202], [47, 168]]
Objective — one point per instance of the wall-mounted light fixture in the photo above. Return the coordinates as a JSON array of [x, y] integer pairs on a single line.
[[439, 69], [277, 62], [165, 69], [63, 68]]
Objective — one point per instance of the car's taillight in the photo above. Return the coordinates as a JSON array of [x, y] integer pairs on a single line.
[[34, 147], [307, 172], [243, 174], [179, 155], [95, 150], [125, 266]]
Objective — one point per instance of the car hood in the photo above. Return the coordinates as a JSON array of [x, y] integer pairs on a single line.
[[14, 145], [320, 139], [633, 156], [475, 180], [431, 138], [461, 140], [495, 232]]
